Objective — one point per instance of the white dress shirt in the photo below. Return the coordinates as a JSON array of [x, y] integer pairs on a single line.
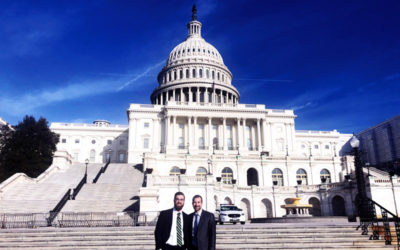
[[172, 240]]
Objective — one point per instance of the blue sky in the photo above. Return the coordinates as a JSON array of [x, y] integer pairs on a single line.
[[336, 63]]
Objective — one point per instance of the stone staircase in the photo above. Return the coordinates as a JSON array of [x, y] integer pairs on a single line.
[[42, 196], [251, 236], [116, 190]]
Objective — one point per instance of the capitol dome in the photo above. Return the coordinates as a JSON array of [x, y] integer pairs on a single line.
[[195, 72]]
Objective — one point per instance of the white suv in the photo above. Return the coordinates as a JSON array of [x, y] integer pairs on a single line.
[[229, 214]]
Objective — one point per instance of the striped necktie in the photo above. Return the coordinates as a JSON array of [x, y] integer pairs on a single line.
[[179, 230]]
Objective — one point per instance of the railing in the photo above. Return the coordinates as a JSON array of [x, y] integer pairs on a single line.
[[89, 219], [53, 213], [102, 170], [79, 187], [379, 226]]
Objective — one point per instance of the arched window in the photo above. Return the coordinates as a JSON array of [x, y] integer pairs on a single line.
[[92, 155], [213, 75], [169, 76], [175, 171], [207, 73], [175, 75], [187, 73], [200, 73], [227, 175], [201, 172], [277, 177], [252, 177], [218, 76], [181, 74], [194, 73], [325, 176], [301, 177]]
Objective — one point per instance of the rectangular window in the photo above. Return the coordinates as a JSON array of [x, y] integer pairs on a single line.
[[146, 143], [214, 127], [228, 127], [201, 126], [229, 142], [109, 142], [180, 125], [146, 124], [63, 140], [76, 141], [121, 142]]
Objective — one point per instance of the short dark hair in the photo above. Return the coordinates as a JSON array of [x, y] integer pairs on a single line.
[[197, 196], [179, 193]]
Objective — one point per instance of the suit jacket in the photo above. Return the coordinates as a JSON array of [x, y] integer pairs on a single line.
[[163, 228], [206, 231]]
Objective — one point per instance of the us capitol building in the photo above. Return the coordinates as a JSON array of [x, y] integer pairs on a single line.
[[196, 137]]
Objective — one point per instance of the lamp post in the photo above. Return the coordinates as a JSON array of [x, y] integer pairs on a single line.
[[86, 163], [362, 193], [275, 182]]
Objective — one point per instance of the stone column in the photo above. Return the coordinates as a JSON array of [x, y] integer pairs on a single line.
[[258, 135], [244, 134], [167, 96], [189, 130], [271, 137], [174, 132], [224, 133], [209, 134], [265, 134], [162, 98], [194, 132], [190, 94], [173, 95], [166, 120], [238, 141]]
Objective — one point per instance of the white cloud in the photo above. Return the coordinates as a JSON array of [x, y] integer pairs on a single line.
[[137, 77], [20, 105]]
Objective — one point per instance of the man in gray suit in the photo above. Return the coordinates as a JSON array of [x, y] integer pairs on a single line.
[[203, 227]]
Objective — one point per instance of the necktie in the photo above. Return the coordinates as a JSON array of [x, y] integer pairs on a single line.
[[179, 230], [196, 223]]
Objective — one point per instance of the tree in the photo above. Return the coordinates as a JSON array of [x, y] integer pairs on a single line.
[[28, 149]]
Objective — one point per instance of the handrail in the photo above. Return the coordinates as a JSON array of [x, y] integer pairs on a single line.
[[58, 207], [102, 170], [369, 219], [79, 187]]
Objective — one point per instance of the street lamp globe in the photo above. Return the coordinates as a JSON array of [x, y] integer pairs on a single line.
[[354, 142]]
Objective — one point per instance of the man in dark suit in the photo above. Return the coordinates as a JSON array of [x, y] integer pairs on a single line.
[[173, 227], [203, 227]]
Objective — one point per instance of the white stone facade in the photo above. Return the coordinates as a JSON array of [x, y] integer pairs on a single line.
[[96, 142], [197, 138]]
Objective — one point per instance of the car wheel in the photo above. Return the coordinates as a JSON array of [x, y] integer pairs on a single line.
[[221, 223], [234, 223], [242, 222]]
